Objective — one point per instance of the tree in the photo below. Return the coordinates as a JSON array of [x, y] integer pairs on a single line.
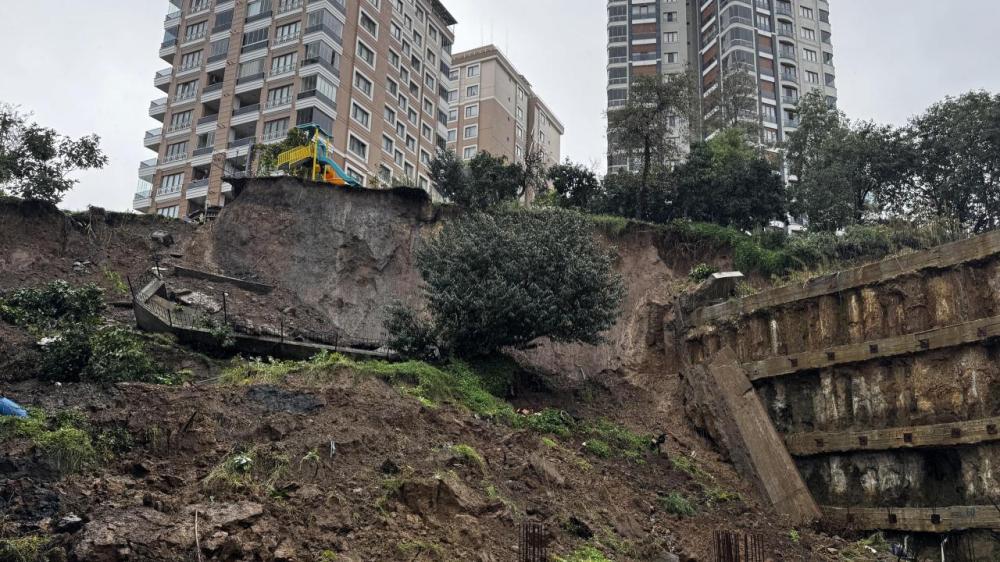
[[647, 127], [575, 185], [508, 278], [483, 182], [35, 160], [726, 182], [735, 100], [846, 173], [957, 168], [535, 170], [267, 155]]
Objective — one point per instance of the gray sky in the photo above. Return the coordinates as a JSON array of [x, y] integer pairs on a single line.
[[91, 69]]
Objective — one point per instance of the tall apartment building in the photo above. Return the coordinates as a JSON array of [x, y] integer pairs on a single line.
[[493, 109], [785, 45], [372, 74]]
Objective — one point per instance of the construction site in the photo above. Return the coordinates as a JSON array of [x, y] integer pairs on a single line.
[[848, 416]]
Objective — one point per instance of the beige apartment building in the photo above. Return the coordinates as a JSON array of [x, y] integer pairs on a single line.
[[373, 74], [786, 46], [493, 109]]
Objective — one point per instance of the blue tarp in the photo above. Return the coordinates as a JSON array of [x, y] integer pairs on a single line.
[[11, 409]]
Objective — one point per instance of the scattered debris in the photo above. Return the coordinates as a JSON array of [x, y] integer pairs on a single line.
[[9, 408], [163, 238]]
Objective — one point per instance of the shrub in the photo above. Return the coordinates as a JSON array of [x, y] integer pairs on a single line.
[[676, 504], [551, 421], [67, 449], [24, 549], [65, 356], [117, 355], [469, 455], [511, 277], [621, 441], [597, 448], [701, 272], [410, 336], [584, 554], [254, 470], [52, 305]]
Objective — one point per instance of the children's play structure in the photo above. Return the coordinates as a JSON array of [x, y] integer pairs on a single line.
[[314, 161]]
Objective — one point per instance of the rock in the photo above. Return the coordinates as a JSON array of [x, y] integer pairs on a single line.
[[668, 557], [163, 238], [578, 527], [227, 514], [546, 470], [285, 552], [446, 497], [200, 300], [308, 492], [69, 524]]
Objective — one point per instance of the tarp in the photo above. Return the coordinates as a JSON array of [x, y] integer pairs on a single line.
[[10, 409]]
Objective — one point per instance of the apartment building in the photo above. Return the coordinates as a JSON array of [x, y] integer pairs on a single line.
[[784, 45], [372, 74], [493, 109]]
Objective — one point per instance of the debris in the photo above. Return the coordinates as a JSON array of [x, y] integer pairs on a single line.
[[389, 467], [200, 300], [9, 408], [69, 524], [163, 238]]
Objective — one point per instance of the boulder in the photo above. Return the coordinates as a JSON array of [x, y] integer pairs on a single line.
[[163, 238]]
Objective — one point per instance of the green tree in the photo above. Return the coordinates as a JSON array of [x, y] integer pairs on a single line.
[[957, 169], [646, 129], [575, 185], [483, 182], [508, 278], [735, 100], [725, 181], [267, 155], [845, 172], [35, 160]]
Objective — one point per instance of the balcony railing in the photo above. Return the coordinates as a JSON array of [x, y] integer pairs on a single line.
[[278, 102], [175, 157], [250, 78], [638, 57], [195, 36], [790, 76], [258, 17], [158, 106], [254, 46], [275, 135], [172, 15], [200, 6], [286, 6], [787, 32], [202, 151], [179, 126], [208, 119], [787, 54], [165, 73], [644, 36], [322, 97], [321, 62], [212, 88], [285, 39], [283, 69], [153, 134], [791, 123], [246, 109], [198, 183], [184, 96], [190, 66], [242, 142], [326, 29], [784, 9], [790, 100]]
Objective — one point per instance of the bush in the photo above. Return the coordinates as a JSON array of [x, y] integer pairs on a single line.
[[65, 356], [409, 336], [52, 305], [24, 549], [67, 449], [676, 504], [511, 277], [117, 355], [701, 272], [597, 448]]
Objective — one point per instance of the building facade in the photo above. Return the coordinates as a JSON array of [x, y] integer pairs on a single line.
[[373, 74], [784, 45], [493, 109]]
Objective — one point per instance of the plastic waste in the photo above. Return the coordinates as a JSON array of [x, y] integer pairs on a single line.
[[8, 408]]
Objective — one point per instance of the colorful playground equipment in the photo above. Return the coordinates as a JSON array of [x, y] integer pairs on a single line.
[[314, 161]]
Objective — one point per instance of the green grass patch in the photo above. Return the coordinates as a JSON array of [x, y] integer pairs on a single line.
[[677, 504], [469, 456], [255, 471], [622, 442], [598, 448], [862, 550], [550, 421], [24, 549], [585, 553], [417, 549], [63, 440]]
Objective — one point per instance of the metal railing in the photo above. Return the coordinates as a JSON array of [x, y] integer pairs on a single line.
[[246, 109]]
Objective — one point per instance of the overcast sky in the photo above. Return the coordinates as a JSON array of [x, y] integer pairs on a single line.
[[90, 67]]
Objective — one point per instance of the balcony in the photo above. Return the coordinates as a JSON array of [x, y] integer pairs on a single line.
[[202, 151], [172, 19], [147, 168], [783, 9], [199, 6], [208, 119], [278, 102], [176, 157], [162, 79], [254, 47], [190, 37], [327, 30], [188, 95], [337, 5], [158, 108], [212, 88], [790, 123], [258, 17], [790, 76], [789, 100], [246, 109], [197, 188], [286, 6], [143, 196], [282, 70], [644, 36], [152, 139], [286, 39], [275, 136], [322, 97], [787, 32], [788, 54], [320, 62], [242, 142], [643, 57]]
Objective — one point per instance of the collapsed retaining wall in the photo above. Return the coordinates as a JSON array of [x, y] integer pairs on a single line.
[[883, 380]]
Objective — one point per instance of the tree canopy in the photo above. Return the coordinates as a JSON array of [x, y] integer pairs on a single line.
[[481, 183], [35, 161], [509, 277]]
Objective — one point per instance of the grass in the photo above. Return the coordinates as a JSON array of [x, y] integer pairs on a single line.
[[677, 504], [585, 553], [254, 470], [469, 456], [713, 493], [598, 448], [415, 549], [63, 440], [24, 549], [861, 550]]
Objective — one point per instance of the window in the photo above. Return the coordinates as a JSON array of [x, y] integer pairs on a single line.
[[283, 64], [472, 111], [250, 68], [181, 120], [190, 60], [812, 77], [319, 85], [363, 84], [411, 143], [395, 31], [452, 135], [671, 16], [368, 24], [169, 212], [366, 54], [186, 91], [219, 48], [254, 39], [361, 115], [670, 37], [452, 115], [256, 7], [472, 91], [827, 58], [671, 58], [469, 153], [357, 147], [196, 31], [471, 132], [389, 116], [276, 130], [452, 96], [412, 116], [387, 144], [177, 151], [170, 184], [287, 33], [397, 157], [408, 170], [830, 80], [277, 97], [808, 33], [384, 174], [400, 129], [453, 74], [426, 131], [519, 114], [425, 158], [393, 59], [806, 12], [428, 107], [472, 71], [810, 55], [391, 86]]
